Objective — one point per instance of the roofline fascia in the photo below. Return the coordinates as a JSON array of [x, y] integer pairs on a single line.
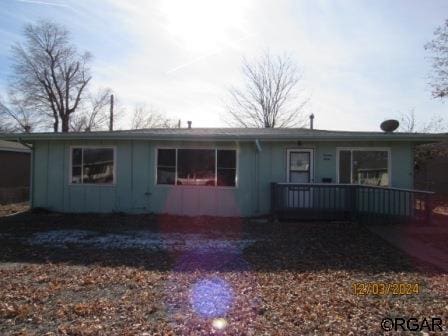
[[3, 149], [19, 140], [143, 137]]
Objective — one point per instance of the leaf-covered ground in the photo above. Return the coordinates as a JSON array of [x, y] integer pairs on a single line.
[[175, 276]]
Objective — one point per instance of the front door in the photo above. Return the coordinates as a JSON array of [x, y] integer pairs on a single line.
[[300, 170]]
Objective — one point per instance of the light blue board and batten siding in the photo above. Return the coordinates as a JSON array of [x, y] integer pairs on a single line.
[[136, 192]]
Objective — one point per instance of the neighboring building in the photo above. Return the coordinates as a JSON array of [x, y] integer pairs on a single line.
[[208, 171], [14, 172]]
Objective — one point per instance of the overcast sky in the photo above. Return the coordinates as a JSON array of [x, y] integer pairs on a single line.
[[362, 61]]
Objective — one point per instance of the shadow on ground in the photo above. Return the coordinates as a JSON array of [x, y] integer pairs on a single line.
[[303, 246]]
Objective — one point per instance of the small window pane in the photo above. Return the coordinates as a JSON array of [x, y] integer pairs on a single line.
[[166, 157], [76, 165], [76, 174], [76, 156], [370, 168], [226, 159], [196, 167], [344, 166], [98, 165], [299, 161], [166, 175], [226, 177]]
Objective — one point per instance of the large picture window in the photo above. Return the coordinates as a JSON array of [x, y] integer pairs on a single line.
[[91, 165], [364, 166], [196, 167]]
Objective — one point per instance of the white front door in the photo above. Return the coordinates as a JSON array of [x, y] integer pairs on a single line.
[[300, 169]]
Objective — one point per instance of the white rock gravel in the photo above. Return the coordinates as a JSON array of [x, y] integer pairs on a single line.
[[135, 240]]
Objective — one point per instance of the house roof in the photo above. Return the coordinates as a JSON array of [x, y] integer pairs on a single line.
[[13, 147], [231, 134]]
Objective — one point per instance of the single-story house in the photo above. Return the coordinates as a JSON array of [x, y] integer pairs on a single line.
[[15, 160], [211, 171]]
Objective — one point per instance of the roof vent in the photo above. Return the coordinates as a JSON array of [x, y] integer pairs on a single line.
[[311, 121], [189, 123], [389, 125]]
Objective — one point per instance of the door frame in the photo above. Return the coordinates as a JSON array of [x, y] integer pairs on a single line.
[[306, 150]]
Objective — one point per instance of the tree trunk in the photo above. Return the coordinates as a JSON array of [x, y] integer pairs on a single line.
[[55, 125], [65, 123]]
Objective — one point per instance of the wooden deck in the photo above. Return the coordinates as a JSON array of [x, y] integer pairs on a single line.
[[311, 201]]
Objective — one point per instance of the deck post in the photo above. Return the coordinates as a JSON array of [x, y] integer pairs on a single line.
[[273, 198], [353, 206], [428, 209]]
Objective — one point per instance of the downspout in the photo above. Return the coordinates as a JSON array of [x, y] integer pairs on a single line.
[[31, 198], [257, 143], [257, 175]]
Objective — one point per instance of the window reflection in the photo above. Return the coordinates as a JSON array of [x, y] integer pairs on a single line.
[[199, 167], [92, 165], [367, 167]]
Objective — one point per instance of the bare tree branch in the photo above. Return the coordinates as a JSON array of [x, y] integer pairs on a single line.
[[271, 97], [409, 123], [18, 118], [94, 112], [439, 55], [144, 117]]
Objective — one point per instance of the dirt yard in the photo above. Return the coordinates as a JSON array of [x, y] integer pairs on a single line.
[[10, 209], [141, 275]]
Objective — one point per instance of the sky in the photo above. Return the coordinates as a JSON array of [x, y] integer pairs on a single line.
[[362, 61]]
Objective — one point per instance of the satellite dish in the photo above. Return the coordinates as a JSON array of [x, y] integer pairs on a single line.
[[389, 125]]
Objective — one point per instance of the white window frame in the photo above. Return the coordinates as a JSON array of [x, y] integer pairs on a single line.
[[70, 174], [308, 150], [216, 149], [365, 149]]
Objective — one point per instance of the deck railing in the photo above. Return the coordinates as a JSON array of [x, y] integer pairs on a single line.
[[348, 201]]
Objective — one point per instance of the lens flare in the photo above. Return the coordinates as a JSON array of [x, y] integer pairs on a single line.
[[219, 323], [211, 297]]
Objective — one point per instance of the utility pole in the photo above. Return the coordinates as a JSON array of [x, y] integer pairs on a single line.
[[111, 120]]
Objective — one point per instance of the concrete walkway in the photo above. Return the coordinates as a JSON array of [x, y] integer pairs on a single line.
[[402, 237]]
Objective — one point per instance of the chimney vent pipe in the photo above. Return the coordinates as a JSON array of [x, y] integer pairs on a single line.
[[189, 123], [311, 121]]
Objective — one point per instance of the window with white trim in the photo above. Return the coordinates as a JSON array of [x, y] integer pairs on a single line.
[[364, 166], [196, 167], [166, 166], [92, 165]]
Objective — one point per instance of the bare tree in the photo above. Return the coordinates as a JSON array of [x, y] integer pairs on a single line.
[[7, 123], [144, 117], [439, 50], [272, 96], [94, 112], [409, 123], [49, 74], [18, 118]]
